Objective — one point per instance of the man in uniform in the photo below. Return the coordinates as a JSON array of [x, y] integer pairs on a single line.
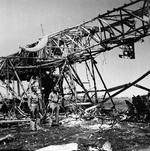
[[34, 106], [54, 105]]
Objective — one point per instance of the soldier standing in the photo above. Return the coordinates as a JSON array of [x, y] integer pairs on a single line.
[[34, 106], [54, 105]]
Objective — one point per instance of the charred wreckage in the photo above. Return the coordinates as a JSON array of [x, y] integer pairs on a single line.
[[51, 61]]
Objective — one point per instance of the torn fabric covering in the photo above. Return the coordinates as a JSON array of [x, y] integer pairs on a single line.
[[38, 46]]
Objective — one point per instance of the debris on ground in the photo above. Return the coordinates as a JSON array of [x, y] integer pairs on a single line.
[[107, 146], [6, 138], [63, 147]]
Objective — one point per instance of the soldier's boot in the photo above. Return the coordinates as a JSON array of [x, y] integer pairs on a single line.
[[50, 121], [32, 125], [57, 116], [38, 127]]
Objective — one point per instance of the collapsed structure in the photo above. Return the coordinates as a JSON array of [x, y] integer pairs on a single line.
[[121, 27]]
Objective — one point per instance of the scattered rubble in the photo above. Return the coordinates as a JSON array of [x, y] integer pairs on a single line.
[[6, 138], [64, 147]]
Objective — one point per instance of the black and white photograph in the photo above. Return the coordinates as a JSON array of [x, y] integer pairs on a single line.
[[74, 75]]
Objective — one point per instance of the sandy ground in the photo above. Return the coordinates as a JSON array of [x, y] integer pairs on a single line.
[[86, 135]]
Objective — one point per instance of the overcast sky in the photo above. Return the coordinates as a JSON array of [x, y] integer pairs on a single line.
[[20, 24]]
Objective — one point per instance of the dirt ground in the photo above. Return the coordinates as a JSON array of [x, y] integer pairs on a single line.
[[123, 136]]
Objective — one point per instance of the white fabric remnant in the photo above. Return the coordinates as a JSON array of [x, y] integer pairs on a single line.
[[41, 44], [64, 147], [107, 146]]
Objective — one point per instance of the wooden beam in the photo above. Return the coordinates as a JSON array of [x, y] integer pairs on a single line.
[[94, 80], [13, 121], [81, 84], [142, 87], [17, 77], [120, 91], [18, 88]]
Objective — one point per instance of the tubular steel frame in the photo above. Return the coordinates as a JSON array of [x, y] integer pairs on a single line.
[[121, 27]]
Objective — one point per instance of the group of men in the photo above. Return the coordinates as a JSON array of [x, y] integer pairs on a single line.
[[34, 103]]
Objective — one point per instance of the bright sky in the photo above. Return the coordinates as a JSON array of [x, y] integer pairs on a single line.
[[20, 24]]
